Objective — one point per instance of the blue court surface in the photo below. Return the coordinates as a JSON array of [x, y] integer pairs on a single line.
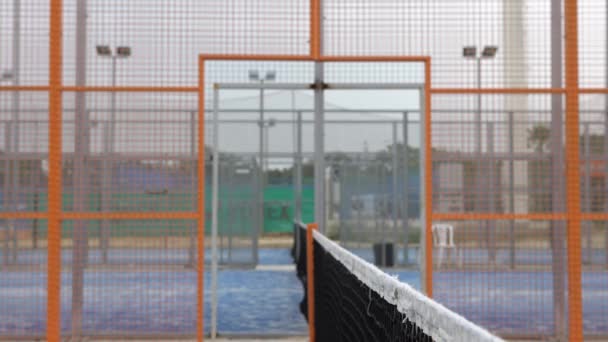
[[274, 256], [267, 302]]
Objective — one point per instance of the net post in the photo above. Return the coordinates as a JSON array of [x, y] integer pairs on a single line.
[[310, 279]]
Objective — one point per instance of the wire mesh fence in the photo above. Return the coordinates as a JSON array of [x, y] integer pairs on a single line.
[[103, 140]]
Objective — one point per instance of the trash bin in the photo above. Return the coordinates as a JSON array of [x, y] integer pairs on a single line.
[[389, 254]]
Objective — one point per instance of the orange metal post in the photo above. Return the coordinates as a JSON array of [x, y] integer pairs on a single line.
[[54, 194], [315, 29], [310, 280], [200, 330], [428, 179], [316, 57], [575, 315]]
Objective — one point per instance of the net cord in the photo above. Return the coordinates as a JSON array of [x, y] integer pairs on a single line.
[[433, 318]]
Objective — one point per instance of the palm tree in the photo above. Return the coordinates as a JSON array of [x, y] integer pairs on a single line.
[[539, 137]]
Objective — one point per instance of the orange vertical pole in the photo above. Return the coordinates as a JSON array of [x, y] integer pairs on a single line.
[[310, 280], [200, 326], [54, 195], [428, 180], [575, 306], [315, 29]]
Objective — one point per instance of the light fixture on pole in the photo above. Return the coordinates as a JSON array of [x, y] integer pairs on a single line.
[[269, 76], [103, 50], [120, 52], [489, 51], [470, 52], [254, 76], [6, 75], [123, 51]]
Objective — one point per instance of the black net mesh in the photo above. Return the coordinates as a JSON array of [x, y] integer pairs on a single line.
[[355, 301], [348, 310]]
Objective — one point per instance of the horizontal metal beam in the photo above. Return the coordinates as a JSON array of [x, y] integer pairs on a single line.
[[295, 110], [360, 157], [129, 156], [309, 86], [224, 121], [375, 86], [224, 110], [383, 120], [267, 85]]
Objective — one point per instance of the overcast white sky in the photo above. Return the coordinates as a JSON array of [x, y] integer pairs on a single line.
[[167, 35]]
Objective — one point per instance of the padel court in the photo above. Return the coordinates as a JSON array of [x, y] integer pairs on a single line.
[[340, 170]]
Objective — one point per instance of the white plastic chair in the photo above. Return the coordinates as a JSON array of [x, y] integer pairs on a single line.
[[443, 238]]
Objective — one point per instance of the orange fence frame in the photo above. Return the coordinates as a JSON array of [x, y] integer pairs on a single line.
[[55, 89], [371, 59], [573, 191], [54, 193], [55, 215]]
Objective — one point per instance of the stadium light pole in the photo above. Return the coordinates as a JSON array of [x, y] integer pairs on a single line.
[[7, 76], [254, 76], [11, 179], [470, 52], [121, 52]]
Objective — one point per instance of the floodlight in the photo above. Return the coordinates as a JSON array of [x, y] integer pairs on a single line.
[[123, 51], [469, 52], [489, 51], [271, 75], [104, 50], [6, 75], [254, 75]]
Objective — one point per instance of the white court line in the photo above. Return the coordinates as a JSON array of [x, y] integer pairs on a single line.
[[276, 268]]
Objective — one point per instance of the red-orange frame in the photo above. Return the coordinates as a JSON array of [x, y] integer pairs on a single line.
[[371, 59]]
